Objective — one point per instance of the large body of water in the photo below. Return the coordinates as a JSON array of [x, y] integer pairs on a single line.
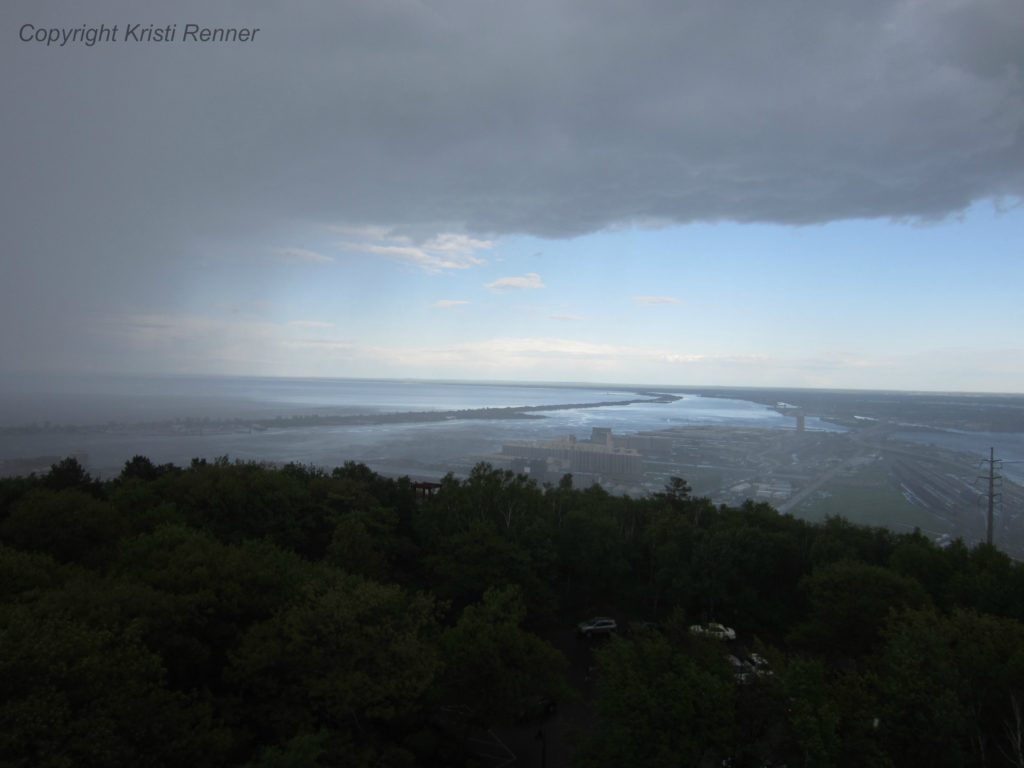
[[147, 399], [414, 447]]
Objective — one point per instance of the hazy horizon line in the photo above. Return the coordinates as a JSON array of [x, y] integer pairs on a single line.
[[505, 382]]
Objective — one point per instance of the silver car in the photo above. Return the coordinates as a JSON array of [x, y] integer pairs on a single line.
[[599, 625]]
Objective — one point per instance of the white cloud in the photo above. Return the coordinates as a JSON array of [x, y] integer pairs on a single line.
[[302, 255], [675, 358], [449, 303], [528, 281], [452, 243], [191, 343], [369, 232], [310, 324], [420, 257], [320, 345], [512, 354], [651, 300], [545, 347], [447, 250], [566, 318]]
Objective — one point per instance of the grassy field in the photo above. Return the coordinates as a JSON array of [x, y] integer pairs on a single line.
[[871, 497], [705, 482]]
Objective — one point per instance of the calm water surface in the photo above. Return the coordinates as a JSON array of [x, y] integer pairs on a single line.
[[155, 400]]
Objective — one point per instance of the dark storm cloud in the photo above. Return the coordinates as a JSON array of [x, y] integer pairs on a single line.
[[549, 117]]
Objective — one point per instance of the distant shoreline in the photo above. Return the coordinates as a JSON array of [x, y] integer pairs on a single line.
[[204, 425]]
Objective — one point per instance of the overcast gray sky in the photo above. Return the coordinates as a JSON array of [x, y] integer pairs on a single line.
[[385, 126]]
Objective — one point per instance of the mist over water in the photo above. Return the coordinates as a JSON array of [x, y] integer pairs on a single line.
[[915, 456], [98, 400], [169, 402]]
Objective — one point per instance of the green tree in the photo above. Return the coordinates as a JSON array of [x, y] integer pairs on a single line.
[[77, 696], [492, 665], [988, 581], [306, 750], [593, 564], [239, 501], [850, 602], [26, 576], [206, 594], [467, 564], [657, 707], [71, 525], [139, 468], [676, 493], [916, 557], [347, 655], [812, 715], [355, 550], [921, 719], [68, 474]]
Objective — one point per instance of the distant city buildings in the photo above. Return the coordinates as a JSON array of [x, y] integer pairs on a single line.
[[796, 412], [604, 455]]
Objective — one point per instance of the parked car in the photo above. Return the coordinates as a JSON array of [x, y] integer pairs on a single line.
[[599, 625], [752, 666], [740, 670], [759, 664], [713, 630]]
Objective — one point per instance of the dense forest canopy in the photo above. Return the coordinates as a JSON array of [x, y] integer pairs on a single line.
[[238, 614]]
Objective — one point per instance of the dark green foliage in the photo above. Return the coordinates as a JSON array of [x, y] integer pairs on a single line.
[[306, 750], [492, 665], [466, 564], [354, 549], [69, 524], [657, 706], [593, 557], [69, 474], [79, 696], [26, 576], [676, 494], [812, 716], [346, 654], [838, 539], [139, 468], [850, 602], [916, 682], [957, 676], [234, 614], [207, 593], [242, 501], [990, 582], [12, 489], [917, 558]]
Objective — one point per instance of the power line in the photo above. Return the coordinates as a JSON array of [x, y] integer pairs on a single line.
[[993, 479], [994, 496]]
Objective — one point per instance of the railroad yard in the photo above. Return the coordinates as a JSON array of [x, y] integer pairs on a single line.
[[865, 475]]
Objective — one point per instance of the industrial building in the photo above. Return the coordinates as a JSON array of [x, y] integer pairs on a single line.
[[604, 455]]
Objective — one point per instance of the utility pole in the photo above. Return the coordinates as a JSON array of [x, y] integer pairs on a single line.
[[991, 494], [995, 486]]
